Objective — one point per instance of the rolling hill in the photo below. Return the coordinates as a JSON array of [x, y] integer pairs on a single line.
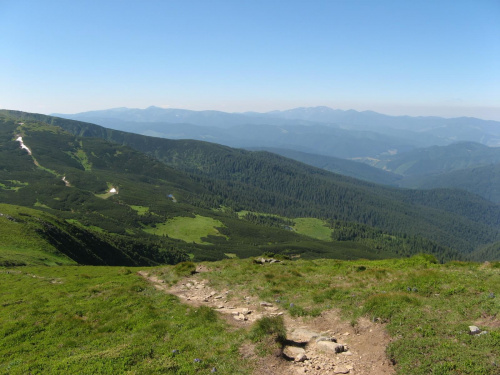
[[441, 159], [344, 167], [268, 183], [98, 202]]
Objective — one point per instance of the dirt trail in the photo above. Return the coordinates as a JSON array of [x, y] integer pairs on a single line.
[[322, 345]]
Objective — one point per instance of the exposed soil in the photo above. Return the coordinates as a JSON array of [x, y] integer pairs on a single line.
[[326, 344]]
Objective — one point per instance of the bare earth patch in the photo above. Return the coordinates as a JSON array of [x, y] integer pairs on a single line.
[[322, 345]]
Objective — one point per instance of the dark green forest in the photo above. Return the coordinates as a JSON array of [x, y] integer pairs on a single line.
[[206, 177]]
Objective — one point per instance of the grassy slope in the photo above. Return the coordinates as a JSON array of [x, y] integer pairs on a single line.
[[427, 307], [104, 320], [188, 229], [21, 243]]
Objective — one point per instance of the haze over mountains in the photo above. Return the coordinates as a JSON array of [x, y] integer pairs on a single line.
[[421, 131], [415, 152]]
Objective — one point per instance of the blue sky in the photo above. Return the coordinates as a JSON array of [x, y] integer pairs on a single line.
[[396, 57]]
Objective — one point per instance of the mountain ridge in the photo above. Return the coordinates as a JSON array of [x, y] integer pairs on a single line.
[[269, 183]]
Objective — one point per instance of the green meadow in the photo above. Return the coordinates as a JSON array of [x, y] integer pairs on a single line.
[[188, 229], [106, 320], [314, 228]]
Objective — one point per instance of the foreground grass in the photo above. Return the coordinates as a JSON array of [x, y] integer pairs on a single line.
[[427, 307], [105, 320], [188, 229]]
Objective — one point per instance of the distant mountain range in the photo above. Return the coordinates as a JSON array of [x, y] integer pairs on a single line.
[[409, 131], [415, 152]]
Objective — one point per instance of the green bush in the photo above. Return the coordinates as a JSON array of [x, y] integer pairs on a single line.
[[185, 269], [269, 327]]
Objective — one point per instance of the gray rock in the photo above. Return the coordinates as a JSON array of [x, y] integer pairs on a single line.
[[332, 347], [266, 304], [302, 335], [298, 354], [473, 330]]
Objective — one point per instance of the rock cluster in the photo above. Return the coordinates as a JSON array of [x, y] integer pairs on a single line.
[[473, 330], [316, 353], [266, 260], [306, 350]]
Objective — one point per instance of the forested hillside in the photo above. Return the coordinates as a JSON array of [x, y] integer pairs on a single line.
[[264, 182], [96, 202], [344, 167], [483, 181], [439, 159]]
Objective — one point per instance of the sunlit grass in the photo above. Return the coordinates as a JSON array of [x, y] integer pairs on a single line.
[[188, 229], [427, 307], [314, 228], [105, 320]]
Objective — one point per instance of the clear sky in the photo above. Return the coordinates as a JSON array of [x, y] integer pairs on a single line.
[[426, 57]]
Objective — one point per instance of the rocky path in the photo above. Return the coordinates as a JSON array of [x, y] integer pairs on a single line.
[[322, 345]]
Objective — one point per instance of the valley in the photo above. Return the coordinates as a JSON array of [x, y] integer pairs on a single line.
[[125, 253]]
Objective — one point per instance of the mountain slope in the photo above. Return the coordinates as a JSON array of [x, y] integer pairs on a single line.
[[269, 183], [344, 167], [136, 210], [440, 159], [483, 181], [312, 138]]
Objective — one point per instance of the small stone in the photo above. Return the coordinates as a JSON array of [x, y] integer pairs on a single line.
[[295, 353], [240, 317], [197, 360], [331, 346], [473, 330], [213, 369], [341, 370], [300, 358], [266, 304]]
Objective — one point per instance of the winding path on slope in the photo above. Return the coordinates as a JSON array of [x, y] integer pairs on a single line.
[[315, 346]]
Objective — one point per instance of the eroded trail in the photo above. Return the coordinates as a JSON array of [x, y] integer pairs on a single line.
[[322, 345]]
